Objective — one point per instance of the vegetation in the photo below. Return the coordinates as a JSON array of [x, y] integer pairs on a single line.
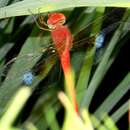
[[24, 48]]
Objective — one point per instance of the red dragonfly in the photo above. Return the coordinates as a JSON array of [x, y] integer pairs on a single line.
[[76, 45], [63, 42]]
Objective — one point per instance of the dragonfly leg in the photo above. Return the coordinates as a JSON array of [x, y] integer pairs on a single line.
[[38, 25], [41, 20]]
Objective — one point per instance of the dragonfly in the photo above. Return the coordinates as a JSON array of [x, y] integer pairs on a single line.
[[28, 76], [19, 75]]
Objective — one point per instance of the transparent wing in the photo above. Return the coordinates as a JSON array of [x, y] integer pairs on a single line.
[[29, 59]]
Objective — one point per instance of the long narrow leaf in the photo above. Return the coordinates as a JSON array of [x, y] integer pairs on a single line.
[[114, 97], [14, 108], [102, 66], [21, 8], [116, 116]]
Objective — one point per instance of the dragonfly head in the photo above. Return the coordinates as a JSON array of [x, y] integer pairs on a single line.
[[55, 19]]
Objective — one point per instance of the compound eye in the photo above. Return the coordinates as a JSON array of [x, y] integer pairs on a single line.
[[62, 21]]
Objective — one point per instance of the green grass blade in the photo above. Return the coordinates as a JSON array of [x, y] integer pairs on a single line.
[[85, 18], [88, 61], [114, 97], [84, 74], [50, 116], [14, 108], [97, 77], [21, 8], [116, 116], [106, 124], [97, 124], [6, 47], [109, 123], [31, 126], [23, 65], [48, 98], [3, 3]]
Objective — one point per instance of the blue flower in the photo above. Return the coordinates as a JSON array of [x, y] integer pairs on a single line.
[[28, 78], [100, 40]]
